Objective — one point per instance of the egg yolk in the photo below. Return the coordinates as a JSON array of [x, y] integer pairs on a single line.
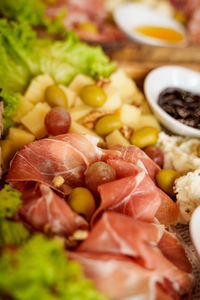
[[161, 33]]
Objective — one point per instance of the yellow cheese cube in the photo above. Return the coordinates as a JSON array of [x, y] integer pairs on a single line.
[[24, 107], [34, 120], [20, 137], [78, 128], [79, 112], [70, 94], [148, 121], [113, 101], [37, 87], [116, 138], [8, 150], [130, 115], [79, 82]]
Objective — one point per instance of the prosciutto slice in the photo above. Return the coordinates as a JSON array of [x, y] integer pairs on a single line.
[[120, 277], [135, 196], [146, 243], [44, 210], [168, 211], [136, 156], [65, 155]]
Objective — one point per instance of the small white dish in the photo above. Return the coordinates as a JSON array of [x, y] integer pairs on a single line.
[[195, 229], [129, 16], [171, 76]]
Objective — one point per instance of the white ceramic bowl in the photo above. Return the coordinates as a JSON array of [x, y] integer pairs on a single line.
[[130, 15], [171, 76], [195, 229]]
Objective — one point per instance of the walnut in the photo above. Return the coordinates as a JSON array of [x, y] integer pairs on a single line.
[[90, 119], [126, 132]]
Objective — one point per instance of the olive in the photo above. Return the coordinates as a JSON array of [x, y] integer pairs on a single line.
[[165, 180], [55, 96], [82, 202], [144, 137], [93, 95], [107, 124], [198, 150], [88, 27]]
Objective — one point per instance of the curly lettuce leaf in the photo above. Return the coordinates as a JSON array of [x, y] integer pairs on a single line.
[[23, 56], [40, 270], [12, 233], [33, 13], [10, 201], [10, 103]]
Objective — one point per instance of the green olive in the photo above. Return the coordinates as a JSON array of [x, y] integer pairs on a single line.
[[93, 95], [107, 124], [144, 137], [82, 202], [198, 150], [55, 96], [165, 180]]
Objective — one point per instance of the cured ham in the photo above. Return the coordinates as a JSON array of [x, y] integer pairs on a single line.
[[65, 155], [121, 278], [148, 244], [168, 211], [87, 11], [135, 155], [135, 196], [46, 211]]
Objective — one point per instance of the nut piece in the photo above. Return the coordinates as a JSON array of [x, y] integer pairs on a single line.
[[90, 119], [58, 181], [126, 131], [79, 235]]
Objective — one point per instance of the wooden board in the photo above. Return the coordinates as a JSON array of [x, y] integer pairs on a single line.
[[137, 59]]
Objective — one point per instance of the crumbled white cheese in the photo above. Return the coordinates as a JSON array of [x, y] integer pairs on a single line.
[[187, 189], [180, 153]]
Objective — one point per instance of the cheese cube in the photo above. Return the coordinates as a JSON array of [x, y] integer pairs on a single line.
[[20, 137], [148, 121], [116, 138], [113, 101], [8, 150], [79, 112], [36, 90], [34, 120], [78, 128], [130, 115], [23, 108], [70, 94], [79, 82]]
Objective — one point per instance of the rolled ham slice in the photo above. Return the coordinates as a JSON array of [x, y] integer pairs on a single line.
[[150, 246], [45, 211], [65, 155]]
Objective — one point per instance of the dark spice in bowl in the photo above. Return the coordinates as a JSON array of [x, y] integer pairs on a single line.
[[182, 105]]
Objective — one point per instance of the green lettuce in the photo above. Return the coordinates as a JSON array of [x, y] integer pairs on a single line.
[[33, 13], [10, 201], [40, 270], [10, 103], [11, 232], [23, 56]]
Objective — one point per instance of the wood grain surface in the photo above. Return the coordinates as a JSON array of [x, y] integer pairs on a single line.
[[137, 59]]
